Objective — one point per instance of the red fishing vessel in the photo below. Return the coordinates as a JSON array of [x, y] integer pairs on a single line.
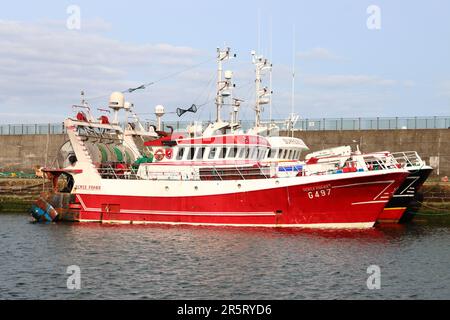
[[218, 178]]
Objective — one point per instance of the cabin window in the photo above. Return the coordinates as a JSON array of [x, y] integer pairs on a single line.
[[285, 154], [233, 152], [258, 153], [240, 153], [200, 153], [263, 153], [222, 153], [190, 154], [180, 153], [212, 153], [289, 155], [274, 153], [251, 153], [247, 153]]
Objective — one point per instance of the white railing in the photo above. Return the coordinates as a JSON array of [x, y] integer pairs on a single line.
[[408, 159]]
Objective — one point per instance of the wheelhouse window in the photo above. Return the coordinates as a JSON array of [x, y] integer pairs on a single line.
[[273, 153], [222, 153], [258, 153], [190, 155], [247, 153], [263, 153], [212, 153], [240, 153], [233, 152], [200, 153], [252, 153], [180, 153]]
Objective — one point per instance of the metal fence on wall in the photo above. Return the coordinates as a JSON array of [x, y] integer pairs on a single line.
[[316, 124], [47, 128]]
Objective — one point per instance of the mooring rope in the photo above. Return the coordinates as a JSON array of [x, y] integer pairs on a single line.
[[432, 208]]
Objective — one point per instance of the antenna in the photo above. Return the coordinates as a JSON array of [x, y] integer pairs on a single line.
[[271, 58], [293, 81], [83, 100], [259, 30]]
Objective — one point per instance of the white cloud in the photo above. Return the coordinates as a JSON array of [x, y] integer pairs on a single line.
[[347, 80], [87, 25], [318, 54], [44, 66]]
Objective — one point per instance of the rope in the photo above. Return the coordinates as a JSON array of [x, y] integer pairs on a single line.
[[432, 208], [24, 188]]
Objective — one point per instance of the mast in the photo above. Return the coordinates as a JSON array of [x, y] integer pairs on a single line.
[[223, 90], [292, 118], [270, 74], [223, 85], [263, 94]]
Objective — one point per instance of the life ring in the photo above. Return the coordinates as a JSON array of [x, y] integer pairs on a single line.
[[159, 154], [169, 153]]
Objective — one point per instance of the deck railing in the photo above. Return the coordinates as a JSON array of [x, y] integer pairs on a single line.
[[408, 158], [308, 124]]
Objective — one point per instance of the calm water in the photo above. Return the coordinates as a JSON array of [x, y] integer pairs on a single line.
[[135, 262]]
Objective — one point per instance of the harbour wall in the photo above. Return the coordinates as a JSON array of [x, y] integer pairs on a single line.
[[24, 152]]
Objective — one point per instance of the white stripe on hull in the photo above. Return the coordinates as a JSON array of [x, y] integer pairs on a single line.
[[187, 188], [353, 225], [370, 202], [189, 213]]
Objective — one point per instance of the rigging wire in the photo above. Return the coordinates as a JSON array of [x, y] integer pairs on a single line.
[[146, 85]]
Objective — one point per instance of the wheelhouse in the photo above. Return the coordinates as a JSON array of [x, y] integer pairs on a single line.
[[225, 149]]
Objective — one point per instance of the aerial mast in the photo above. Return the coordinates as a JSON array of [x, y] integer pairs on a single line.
[[223, 85], [263, 94], [224, 90], [292, 119]]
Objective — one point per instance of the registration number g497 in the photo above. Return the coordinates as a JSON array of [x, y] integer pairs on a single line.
[[319, 193]]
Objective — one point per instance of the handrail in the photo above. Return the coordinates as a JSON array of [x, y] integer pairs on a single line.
[[408, 158]]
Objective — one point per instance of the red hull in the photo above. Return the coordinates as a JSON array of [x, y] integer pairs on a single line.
[[333, 203]]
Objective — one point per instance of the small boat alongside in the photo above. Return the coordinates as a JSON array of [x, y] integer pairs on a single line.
[[396, 208]]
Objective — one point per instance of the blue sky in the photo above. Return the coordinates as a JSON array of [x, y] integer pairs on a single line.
[[343, 68]]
